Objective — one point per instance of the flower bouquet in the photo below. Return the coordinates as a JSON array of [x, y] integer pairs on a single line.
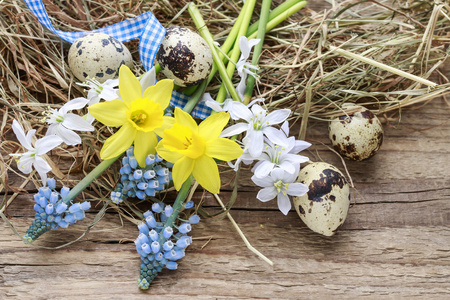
[[153, 132]]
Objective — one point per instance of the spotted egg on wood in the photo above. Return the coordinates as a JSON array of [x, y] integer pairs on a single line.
[[324, 208], [98, 55], [356, 135], [184, 56]]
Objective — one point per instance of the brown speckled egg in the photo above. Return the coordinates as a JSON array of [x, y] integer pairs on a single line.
[[324, 208], [99, 56], [357, 136], [184, 56]]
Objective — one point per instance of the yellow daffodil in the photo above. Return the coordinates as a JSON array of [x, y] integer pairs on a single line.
[[193, 148], [140, 115]]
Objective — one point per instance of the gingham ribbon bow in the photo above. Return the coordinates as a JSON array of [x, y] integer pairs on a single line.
[[145, 26]]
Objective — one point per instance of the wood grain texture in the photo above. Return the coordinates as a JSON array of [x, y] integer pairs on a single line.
[[395, 243]]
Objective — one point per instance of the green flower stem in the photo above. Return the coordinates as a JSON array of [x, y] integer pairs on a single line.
[[193, 100], [236, 52], [280, 18], [263, 19], [86, 181], [204, 32], [280, 9]]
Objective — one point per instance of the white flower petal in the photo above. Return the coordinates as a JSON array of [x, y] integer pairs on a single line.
[[148, 79], [52, 129], [287, 166], [25, 163], [285, 128], [256, 142], [20, 134], [284, 204], [69, 137], [234, 129], [263, 182], [267, 194], [47, 143], [278, 116], [42, 167], [108, 93], [297, 189], [263, 168], [76, 103], [274, 136], [75, 122], [240, 111], [300, 146]]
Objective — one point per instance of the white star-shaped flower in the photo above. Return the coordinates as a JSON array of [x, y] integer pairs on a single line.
[[32, 158]]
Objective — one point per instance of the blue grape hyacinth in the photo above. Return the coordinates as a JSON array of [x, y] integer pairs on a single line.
[[161, 245], [52, 212], [141, 182]]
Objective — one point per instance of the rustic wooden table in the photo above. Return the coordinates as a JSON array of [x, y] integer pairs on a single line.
[[395, 242]]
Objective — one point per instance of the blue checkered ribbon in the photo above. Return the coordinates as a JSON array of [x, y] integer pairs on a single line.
[[145, 26]]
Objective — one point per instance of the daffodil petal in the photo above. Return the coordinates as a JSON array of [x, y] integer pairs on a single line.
[[118, 142], [212, 126], [170, 156], [181, 171], [144, 144], [185, 119], [161, 92], [223, 149], [110, 113], [167, 123], [207, 174], [129, 86]]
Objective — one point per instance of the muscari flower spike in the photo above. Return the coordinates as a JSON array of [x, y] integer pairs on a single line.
[[161, 245], [52, 212], [141, 182]]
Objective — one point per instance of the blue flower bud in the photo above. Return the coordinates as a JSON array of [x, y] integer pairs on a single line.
[[157, 207], [79, 215], [155, 247], [163, 217], [189, 204], [64, 192], [159, 256], [85, 205], [170, 254], [146, 248], [151, 222], [161, 171], [171, 265], [142, 185], [185, 228], [126, 169], [148, 213], [63, 224], [75, 208], [49, 209], [168, 210], [194, 219], [141, 239], [69, 218], [130, 151], [133, 162], [137, 174], [150, 159], [62, 207], [149, 174], [42, 202], [51, 182], [45, 192], [50, 218], [163, 180], [168, 231], [184, 241], [143, 228], [140, 195], [38, 208], [153, 235], [36, 197], [54, 197], [124, 160], [158, 158], [153, 184], [150, 192], [168, 246], [58, 219]]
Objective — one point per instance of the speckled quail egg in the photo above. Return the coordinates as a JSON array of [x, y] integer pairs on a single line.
[[358, 135], [98, 55], [324, 208], [184, 56]]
